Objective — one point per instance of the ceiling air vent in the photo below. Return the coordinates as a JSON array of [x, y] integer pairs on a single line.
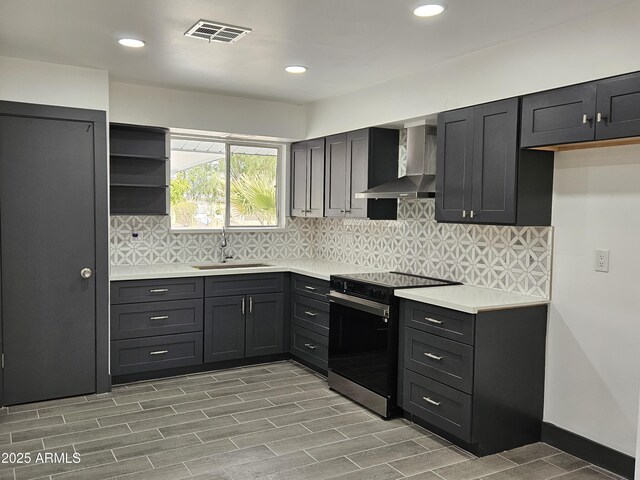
[[216, 32]]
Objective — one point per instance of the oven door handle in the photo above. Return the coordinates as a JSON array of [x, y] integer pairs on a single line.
[[368, 306]]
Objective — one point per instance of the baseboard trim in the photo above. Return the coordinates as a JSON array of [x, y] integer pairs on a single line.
[[596, 453]]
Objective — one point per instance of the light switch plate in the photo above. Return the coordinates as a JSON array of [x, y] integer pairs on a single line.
[[602, 261]]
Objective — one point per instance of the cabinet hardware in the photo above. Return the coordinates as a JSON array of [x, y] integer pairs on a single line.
[[243, 305], [311, 314], [464, 214], [471, 213], [433, 320], [159, 290], [250, 304], [347, 211], [310, 346], [160, 317], [586, 119], [431, 355], [313, 289], [3, 360], [159, 352], [599, 117], [432, 402], [342, 211], [86, 273]]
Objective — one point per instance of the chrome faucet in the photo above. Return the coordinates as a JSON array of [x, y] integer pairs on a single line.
[[223, 245]]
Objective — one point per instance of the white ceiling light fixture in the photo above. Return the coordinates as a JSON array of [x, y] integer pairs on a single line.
[[296, 68], [131, 42], [429, 10]]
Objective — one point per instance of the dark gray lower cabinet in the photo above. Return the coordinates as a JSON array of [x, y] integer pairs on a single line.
[[265, 325], [477, 380], [310, 321], [224, 328], [156, 353], [242, 326]]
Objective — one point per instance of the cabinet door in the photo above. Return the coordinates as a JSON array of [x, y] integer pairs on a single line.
[[224, 328], [454, 166], [315, 178], [357, 174], [618, 104], [559, 116], [299, 179], [335, 168], [495, 156], [265, 323]]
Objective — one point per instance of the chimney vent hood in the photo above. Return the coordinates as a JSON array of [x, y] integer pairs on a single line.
[[420, 180]]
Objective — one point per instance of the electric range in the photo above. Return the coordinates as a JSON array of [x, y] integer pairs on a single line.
[[363, 335]]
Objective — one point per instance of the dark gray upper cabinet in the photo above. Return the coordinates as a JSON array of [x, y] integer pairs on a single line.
[[618, 107], [307, 178], [454, 165], [139, 173], [264, 324], [482, 176], [357, 161], [603, 110], [224, 328], [336, 166]]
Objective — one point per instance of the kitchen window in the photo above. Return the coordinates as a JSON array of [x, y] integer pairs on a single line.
[[217, 183]]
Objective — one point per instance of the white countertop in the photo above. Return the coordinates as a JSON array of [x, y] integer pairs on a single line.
[[469, 299], [316, 268]]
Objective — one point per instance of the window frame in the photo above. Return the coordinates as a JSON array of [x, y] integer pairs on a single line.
[[281, 185]]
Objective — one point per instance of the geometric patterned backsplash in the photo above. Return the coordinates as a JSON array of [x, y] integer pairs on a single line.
[[159, 245], [516, 259]]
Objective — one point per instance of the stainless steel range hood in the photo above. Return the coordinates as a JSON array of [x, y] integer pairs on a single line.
[[420, 180]]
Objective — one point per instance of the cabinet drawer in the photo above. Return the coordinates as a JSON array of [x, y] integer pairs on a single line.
[[444, 360], [155, 353], [310, 346], [440, 321], [136, 291], [311, 314], [158, 318], [243, 284], [438, 404], [310, 287]]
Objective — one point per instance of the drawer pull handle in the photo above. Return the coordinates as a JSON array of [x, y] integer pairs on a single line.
[[433, 320], [432, 402], [159, 352], [310, 346], [160, 317], [159, 290], [311, 314], [431, 355], [309, 287]]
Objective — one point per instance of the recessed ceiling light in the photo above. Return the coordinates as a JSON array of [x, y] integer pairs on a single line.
[[430, 10], [131, 42], [296, 68]]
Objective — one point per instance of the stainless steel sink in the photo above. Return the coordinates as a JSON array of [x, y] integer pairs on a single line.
[[221, 266]]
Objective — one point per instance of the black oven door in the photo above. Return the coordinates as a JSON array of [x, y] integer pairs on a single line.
[[361, 341]]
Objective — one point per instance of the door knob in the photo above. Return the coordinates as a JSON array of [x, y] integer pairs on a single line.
[[86, 273]]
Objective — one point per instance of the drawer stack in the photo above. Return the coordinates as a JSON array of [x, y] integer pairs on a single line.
[[156, 324], [310, 320], [476, 379]]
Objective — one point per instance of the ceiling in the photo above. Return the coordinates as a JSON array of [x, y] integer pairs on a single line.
[[347, 44]]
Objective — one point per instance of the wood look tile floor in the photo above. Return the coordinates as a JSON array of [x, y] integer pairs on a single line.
[[270, 422]]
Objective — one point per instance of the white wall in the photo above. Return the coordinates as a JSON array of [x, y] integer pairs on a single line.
[[166, 107], [593, 359], [52, 84], [591, 48]]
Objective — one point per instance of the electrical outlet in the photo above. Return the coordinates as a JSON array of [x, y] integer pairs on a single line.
[[136, 236], [602, 261]]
